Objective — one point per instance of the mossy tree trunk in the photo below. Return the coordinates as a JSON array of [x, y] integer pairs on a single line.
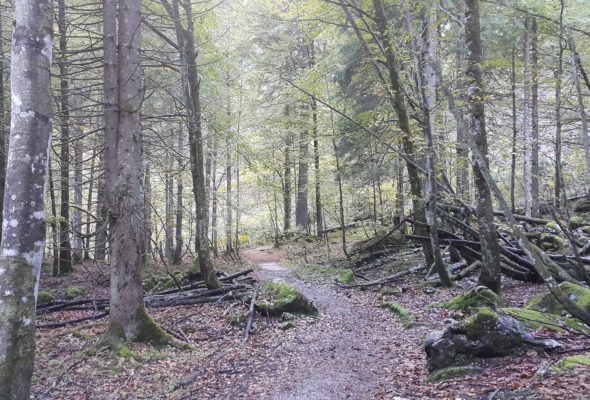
[[21, 250], [490, 250], [128, 317]]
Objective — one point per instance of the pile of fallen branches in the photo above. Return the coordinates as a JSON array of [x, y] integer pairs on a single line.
[[236, 287], [462, 243]]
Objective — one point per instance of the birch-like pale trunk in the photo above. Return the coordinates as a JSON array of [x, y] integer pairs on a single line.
[[558, 183], [23, 239], [3, 126], [535, 145], [490, 275]]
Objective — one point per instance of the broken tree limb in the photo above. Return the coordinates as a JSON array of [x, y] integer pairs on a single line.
[[251, 313]]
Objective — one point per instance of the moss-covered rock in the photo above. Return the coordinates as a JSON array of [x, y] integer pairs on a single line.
[[284, 326], [44, 297], [553, 227], [346, 276], [580, 220], [546, 302], [405, 316], [73, 292], [549, 241], [453, 372], [285, 298], [485, 334], [571, 363], [533, 320], [581, 206], [478, 297]]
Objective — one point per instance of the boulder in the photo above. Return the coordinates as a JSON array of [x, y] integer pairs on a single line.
[[73, 292], [484, 334], [44, 297], [478, 297], [547, 303], [281, 297]]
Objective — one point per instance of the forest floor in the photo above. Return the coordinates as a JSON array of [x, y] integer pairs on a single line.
[[353, 350]]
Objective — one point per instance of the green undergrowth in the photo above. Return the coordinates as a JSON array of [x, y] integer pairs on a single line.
[[571, 363]]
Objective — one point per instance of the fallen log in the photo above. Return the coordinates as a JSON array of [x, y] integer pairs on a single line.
[[251, 313], [60, 324], [386, 279], [202, 283]]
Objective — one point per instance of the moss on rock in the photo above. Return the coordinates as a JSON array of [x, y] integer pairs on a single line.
[[404, 315], [478, 297], [44, 297], [549, 241], [286, 298], [483, 321], [546, 302], [580, 220], [533, 319], [75, 291]]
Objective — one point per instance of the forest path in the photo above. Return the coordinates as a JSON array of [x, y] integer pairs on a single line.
[[343, 354]]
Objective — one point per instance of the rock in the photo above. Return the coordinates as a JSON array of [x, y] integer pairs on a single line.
[[75, 291], [547, 303], [581, 206], [44, 297], [484, 334], [285, 298], [284, 326], [549, 241], [580, 220], [406, 318], [478, 297]]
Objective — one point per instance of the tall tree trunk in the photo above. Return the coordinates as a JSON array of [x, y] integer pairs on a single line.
[[535, 172], [128, 317], [581, 109], [214, 212], [526, 125], [53, 222], [77, 220], [228, 195], [101, 236], [427, 83], [148, 212], [514, 131], [490, 273], [558, 83], [89, 206], [287, 180], [177, 259], [301, 208], [3, 125], [340, 199], [401, 111], [65, 247], [191, 83], [168, 224], [23, 241]]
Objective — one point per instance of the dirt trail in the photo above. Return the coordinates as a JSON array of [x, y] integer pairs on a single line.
[[342, 355]]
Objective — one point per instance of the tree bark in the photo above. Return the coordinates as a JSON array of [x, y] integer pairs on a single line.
[[301, 207], [65, 247], [558, 183], [514, 131], [177, 259], [128, 317], [527, 133], [535, 172], [3, 126], [23, 241], [490, 272], [340, 199], [581, 109], [287, 180], [77, 220]]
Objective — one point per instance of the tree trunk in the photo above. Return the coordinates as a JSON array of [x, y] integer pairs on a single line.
[[527, 134], [21, 250], [581, 109], [89, 206], [177, 259], [340, 199], [399, 105], [77, 220], [168, 224], [535, 172], [3, 126], [190, 81], [558, 183], [128, 317], [287, 180], [301, 208], [228, 195], [514, 131], [490, 272], [214, 231], [65, 247], [53, 223], [427, 83]]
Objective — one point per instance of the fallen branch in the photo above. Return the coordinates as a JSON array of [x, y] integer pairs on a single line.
[[251, 314]]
